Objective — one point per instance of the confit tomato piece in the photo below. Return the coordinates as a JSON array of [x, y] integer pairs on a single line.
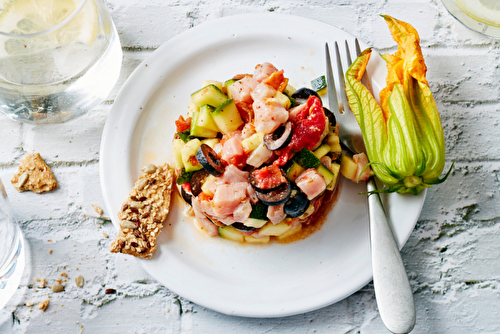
[[309, 125], [268, 177], [183, 124]]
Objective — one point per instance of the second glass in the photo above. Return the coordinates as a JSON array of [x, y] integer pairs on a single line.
[[58, 59]]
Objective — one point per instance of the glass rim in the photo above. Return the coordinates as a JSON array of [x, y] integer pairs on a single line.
[[47, 31]]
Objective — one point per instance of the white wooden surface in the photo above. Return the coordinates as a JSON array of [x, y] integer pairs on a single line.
[[452, 255]]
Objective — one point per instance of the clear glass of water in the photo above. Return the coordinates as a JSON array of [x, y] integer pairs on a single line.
[[482, 16], [58, 58], [12, 250]]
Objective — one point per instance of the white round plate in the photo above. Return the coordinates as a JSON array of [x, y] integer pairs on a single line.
[[246, 280]]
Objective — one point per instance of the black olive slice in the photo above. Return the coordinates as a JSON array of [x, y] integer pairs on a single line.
[[197, 181], [276, 197], [297, 204], [207, 157], [330, 116], [186, 196], [243, 228], [302, 94], [280, 138], [278, 179]]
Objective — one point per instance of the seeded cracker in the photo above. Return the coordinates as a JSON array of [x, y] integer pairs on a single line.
[[33, 174], [143, 212]]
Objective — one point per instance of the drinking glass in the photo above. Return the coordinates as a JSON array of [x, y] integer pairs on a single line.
[[482, 16], [12, 250], [58, 58]]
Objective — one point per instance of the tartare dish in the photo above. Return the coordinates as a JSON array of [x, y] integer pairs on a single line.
[[256, 158]]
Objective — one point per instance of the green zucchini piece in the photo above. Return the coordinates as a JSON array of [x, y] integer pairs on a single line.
[[322, 151], [177, 148], [230, 233], [227, 117], [197, 131], [227, 84], [335, 169], [205, 120], [210, 95], [293, 171], [283, 100], [256, 223], [211, 142], [319, 83], [184, 177], [327, 174], [259, 211], [188, 153], [306, 159]]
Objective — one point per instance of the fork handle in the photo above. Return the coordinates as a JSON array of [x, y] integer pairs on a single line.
[[392, 288]]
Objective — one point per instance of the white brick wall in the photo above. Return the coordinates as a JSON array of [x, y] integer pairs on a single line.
[[451, 256]]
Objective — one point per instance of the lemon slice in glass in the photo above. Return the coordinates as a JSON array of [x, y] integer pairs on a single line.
[[57, 22], [484, 11]]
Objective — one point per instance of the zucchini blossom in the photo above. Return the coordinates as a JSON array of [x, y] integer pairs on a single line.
[[403, 135]]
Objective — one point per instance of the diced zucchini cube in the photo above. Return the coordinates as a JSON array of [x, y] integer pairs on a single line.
[[230, 233], [275, 230], [227, 117], [322, 151], [205, 120], [327, 174], [251, 143], [253, 240], [335, 169], [348, 168], [210, 95], [283, 100], [177, 148], [188, 153], [294, 171], [197, 131], [306, 159]]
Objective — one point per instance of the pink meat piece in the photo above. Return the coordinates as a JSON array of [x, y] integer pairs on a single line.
[[311, 183], [212, 229], [262, 92], [263, 71], [228, 196], [242, 211], [295, 110], [361, 160], [231, 148], [241, 89], [233, 174], [251, 194], [276, 213], [269, 115]]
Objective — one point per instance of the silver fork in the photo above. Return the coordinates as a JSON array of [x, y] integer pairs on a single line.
[[390, 281]]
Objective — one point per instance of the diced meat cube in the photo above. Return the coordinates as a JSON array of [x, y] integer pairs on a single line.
[[263, 71], [228, 196], [241, 89], [276, 213], [311, 183]]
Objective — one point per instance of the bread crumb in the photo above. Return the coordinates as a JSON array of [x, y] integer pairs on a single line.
[[57, 288], [105, 235], [42, 283], [50, 251], [79, 281], [29, 304], [33, 174], [43, 305], [97, 209], [64, 274]]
